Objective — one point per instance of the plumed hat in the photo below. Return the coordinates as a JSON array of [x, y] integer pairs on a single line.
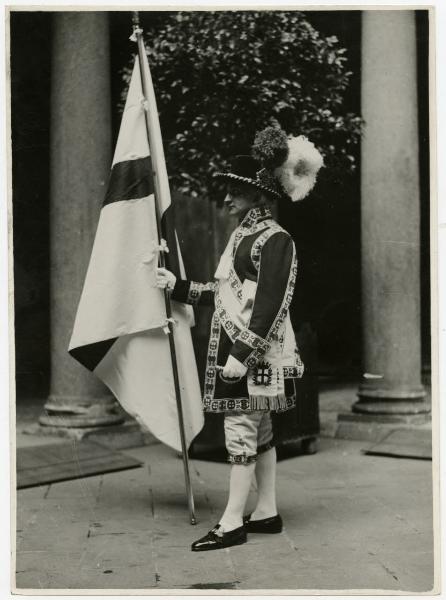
[[246, 169], [282, 166]]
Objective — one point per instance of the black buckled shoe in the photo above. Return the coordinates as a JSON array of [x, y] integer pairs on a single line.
[[269, 525], [214, 541]]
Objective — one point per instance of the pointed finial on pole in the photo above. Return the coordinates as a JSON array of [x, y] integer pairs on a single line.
[[136, 27]]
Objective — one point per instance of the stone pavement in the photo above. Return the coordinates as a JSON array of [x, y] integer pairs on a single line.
[[351, 522]]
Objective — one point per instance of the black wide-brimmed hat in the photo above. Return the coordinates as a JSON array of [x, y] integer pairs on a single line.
[[284, 167], [245, 169]]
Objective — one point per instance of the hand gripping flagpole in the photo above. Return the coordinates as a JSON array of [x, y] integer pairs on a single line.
[[150, 105]]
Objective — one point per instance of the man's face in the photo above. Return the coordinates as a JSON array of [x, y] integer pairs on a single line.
[[239, 200]]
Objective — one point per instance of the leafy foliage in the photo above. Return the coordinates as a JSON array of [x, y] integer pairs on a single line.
[[222, 76]]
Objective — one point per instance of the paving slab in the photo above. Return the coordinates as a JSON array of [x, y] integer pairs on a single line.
[[179, 567], [48, 560], [351, 522]]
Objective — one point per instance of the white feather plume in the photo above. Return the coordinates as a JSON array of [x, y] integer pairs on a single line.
[[298, 173]]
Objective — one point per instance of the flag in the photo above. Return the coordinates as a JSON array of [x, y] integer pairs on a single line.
[[120, 327]]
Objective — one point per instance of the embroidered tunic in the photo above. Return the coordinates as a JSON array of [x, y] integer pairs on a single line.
[[252, 295]]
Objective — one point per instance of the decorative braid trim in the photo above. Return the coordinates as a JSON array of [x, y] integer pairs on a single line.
[[196, 289], [295, 372], [279, 403], [194, 293], [245, 231], [253, 340], [241, 459], [256, 249], [231, 328], [211, 371], [253, 182], [255, 215], [236, 284]]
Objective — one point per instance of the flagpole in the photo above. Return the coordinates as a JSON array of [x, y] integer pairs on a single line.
[[137, 33]]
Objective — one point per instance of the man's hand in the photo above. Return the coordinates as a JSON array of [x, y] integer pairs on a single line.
[[165, 279], [234, 368]]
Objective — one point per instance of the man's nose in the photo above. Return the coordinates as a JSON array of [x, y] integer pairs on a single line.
[[227, 199]]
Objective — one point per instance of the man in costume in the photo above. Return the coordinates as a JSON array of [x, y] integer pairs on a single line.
[[252, 356]]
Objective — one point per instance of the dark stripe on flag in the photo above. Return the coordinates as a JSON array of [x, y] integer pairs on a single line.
[[92, 354], [168, 229], [129, 180]]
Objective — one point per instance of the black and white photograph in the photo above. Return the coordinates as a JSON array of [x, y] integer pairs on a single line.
[[223, 300]]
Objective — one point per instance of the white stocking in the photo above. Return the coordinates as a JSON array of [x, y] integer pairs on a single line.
[[266, 485], [239, 485]]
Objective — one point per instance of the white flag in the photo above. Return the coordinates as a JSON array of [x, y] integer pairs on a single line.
[[119, 331]]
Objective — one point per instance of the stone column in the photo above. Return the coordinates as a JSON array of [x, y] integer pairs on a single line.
[[390, 222], [80, 163]]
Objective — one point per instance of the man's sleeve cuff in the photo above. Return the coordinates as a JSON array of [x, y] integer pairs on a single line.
[[196, 289], [180, 292], [190, 292]]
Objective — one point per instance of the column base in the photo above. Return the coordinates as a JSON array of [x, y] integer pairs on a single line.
[[378, 411], [79, 411], [374, 393], [375, 400], [375, 427], [117, 436], [401, 408]]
